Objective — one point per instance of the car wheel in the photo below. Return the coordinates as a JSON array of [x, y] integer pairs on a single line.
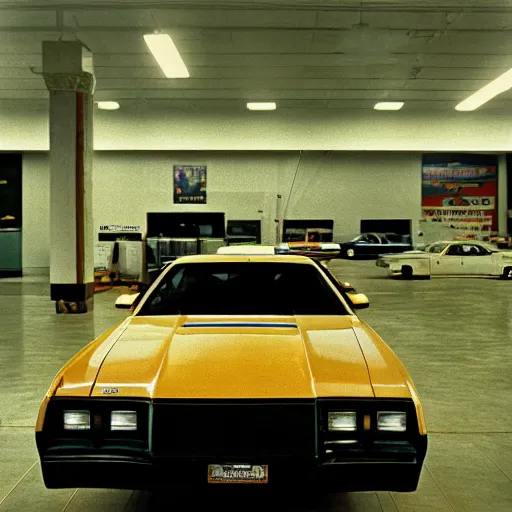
[[506, 273], [407, 272], [351, 253]]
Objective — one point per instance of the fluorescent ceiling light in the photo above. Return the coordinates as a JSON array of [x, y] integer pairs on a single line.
[[487, 92], [108, 105], [389, 105], [262, 105], [167, 55]]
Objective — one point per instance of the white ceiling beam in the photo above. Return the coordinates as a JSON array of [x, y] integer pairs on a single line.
[[300, 5], [258, 60], [295, 94], [277, 83], [474, 62]]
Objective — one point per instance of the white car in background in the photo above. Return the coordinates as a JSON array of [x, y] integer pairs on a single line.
[[465, 258]]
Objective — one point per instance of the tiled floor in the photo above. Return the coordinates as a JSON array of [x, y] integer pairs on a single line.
[[454, 335]]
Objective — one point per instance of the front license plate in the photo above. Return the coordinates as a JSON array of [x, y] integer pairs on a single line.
[[237, 474]]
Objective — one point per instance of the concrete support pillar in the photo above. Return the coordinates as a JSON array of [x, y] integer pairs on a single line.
[[67, 70], [502, 195]]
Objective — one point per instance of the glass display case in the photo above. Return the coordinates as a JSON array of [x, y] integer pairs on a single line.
[[243, 232], [174, 234], [161, 250], [10, 215], [10, 252]]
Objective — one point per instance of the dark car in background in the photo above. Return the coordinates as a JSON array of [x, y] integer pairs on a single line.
[[370, 245]]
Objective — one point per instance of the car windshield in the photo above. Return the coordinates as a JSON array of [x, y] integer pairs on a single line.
[[243, 289], [437, 247], [393, 238]]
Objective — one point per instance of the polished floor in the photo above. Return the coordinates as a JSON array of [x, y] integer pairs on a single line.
[[453, 334]]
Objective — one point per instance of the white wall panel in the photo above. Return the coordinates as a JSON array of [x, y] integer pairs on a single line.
[[137, 127], [350, 186], [36, 212]]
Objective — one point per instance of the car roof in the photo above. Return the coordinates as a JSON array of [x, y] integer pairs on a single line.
[[237, 258], [459, 242]]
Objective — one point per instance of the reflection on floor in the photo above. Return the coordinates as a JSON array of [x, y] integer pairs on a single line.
[[454, 335]]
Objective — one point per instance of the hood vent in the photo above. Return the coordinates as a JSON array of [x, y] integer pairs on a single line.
[[242, 324]]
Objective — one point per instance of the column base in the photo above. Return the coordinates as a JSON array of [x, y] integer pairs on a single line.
[[62, 307], [72, 298]]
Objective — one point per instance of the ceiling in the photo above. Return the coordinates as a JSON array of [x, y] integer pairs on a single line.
[[303, 54]]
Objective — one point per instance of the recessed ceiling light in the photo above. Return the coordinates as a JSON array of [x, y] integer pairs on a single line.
[[167, 55], [389, 105], [108, 105], [262, 105], [487, 92]]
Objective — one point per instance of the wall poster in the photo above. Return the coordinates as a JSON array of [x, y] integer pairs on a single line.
[[462, 196], [189, 184]]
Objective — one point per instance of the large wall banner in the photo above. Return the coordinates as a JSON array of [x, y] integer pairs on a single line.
[[461, 195], [189, 184]]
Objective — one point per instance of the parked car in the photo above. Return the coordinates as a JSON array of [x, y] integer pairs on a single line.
[[235, 369], [370, 245], [468, 258], [501, 242]]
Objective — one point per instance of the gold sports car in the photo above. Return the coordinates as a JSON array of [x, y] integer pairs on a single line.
[[235, 369]]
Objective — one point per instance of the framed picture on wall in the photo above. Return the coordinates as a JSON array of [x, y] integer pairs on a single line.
[[189, 184], [460, 191]]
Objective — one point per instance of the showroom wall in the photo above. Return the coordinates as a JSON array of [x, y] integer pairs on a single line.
[[350, 186], [344, 186], [139, 127]]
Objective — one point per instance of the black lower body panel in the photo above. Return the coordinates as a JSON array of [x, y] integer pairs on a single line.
[[169, 473], [175, 442]]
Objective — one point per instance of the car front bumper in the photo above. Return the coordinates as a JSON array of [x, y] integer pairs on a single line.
[[125, 473], [173, 448]]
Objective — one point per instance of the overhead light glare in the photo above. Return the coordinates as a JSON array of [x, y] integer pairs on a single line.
[[262, 105], [389, 105], [487, 92], [108, 105], [167, 55]]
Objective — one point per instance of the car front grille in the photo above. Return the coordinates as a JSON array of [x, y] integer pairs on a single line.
[[234, 429]]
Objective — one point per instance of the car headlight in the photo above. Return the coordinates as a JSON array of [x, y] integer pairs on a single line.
[[77, 420], [342, 421], [390, 421], [123, 420]]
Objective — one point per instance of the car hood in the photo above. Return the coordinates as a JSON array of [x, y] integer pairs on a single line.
[[220, 357]]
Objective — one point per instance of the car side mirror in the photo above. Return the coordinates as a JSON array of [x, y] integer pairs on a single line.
[[346, 286], [359, 300], [127, 301]]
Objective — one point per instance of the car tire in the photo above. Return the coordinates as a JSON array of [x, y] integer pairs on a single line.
[[407, 272], [350, 253], [506, 273]]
